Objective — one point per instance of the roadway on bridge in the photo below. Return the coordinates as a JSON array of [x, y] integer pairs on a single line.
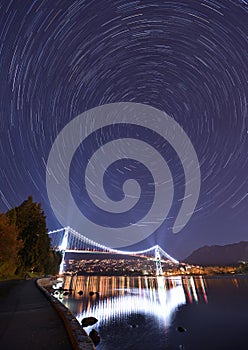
[[28, 320]]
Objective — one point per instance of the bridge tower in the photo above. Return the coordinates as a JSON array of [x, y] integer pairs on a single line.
[[62, 248], [159, 270]]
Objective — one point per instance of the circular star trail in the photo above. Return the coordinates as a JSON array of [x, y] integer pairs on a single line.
[[187, 58]]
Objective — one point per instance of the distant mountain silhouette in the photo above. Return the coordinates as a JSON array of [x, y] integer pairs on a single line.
[[219, 255]]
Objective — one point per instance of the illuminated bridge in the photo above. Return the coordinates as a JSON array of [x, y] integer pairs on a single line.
[[68, 240]]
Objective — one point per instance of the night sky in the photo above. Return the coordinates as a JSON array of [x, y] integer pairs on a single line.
[[188, 59]]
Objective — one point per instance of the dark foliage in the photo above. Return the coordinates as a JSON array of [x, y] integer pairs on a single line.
[[26, 241]]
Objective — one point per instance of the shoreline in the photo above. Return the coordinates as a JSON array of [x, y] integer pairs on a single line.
[[154, 276]]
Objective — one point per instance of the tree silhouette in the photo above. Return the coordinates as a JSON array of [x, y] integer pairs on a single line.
[[9, 247], [35, 254]]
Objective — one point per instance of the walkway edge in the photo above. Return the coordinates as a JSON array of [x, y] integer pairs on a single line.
[[78, 336]]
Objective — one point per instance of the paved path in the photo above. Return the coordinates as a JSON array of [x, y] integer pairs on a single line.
[[28, 321]]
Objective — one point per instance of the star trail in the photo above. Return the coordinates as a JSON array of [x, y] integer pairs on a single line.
[[186, 58]]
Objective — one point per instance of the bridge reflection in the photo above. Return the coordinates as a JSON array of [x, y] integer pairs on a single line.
[[120, 297]]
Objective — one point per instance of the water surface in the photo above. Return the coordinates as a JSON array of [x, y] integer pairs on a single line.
[[144, 313]]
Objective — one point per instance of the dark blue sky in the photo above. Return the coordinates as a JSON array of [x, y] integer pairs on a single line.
[[187, 58]]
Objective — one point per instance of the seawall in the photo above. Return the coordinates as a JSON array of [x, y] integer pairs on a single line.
[[78, 336]]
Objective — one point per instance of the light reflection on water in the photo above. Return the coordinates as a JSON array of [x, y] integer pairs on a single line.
[[151, 298], [148, 303], [143, 313]]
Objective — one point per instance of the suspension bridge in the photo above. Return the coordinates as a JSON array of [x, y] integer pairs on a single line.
[[68, 240]]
